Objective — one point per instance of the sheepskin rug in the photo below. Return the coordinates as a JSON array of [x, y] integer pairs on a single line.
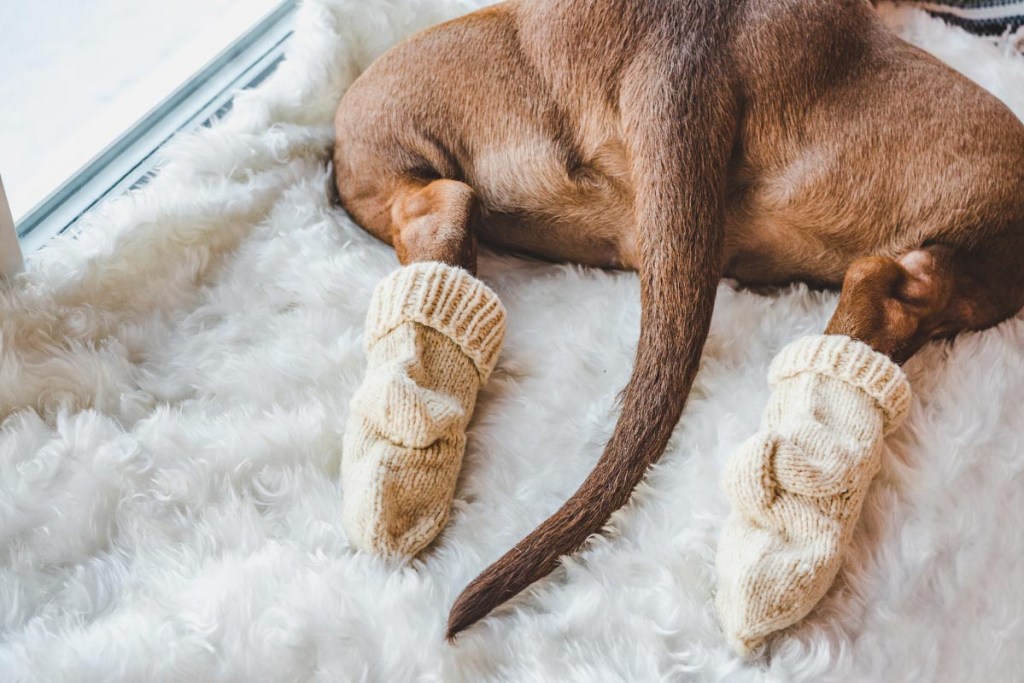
[[174, 381]]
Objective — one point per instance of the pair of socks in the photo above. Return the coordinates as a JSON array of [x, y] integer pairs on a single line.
[[433, 334]]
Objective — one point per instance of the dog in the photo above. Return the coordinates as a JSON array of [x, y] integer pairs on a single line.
[[769, 141]]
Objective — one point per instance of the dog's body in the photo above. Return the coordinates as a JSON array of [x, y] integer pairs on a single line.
[[765, 140]]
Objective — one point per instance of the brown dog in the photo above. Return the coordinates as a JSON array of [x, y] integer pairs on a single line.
[[765, 140]]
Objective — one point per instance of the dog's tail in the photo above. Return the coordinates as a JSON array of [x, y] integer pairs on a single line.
[[679, 132]]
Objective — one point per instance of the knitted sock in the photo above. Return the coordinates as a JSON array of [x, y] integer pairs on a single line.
[[433, 334], [797, 486]]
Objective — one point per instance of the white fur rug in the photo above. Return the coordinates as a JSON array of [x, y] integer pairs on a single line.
[[174, 383]]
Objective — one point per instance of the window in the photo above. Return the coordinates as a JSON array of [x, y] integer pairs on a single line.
[[91, 90]]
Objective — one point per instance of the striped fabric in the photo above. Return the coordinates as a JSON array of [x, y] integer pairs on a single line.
[[985, 17]]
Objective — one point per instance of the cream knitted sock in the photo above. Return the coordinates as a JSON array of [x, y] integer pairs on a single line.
[[797, 486], [433, 333]]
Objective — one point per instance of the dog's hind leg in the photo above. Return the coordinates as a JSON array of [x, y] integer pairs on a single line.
[[896, 305], [796, 487], [433, 333], [436, 222]]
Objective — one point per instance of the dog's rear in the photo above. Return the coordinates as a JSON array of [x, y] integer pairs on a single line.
[[610, 132]]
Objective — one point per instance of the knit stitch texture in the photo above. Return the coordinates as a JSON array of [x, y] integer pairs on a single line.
[[433, 333], [796, 487]]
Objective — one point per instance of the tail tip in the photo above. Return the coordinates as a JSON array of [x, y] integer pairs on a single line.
[[458, 621]]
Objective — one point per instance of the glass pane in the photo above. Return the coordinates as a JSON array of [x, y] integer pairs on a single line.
[[75, 75]]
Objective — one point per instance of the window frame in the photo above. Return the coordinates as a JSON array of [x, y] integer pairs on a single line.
[[130, 160]]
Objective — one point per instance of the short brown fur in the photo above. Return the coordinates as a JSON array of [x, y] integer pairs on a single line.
[[766, 140]]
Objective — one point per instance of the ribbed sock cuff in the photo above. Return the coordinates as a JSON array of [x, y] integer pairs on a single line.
[[444, 298], [850, 361]]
